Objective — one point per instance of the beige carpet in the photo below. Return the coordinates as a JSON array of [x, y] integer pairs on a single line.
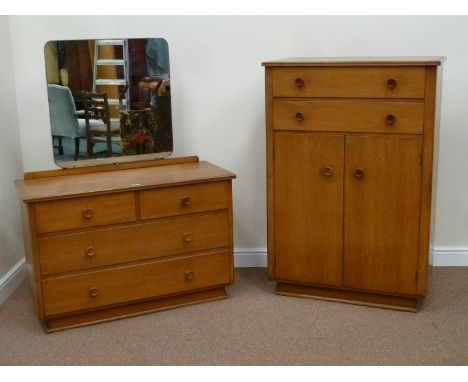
[[254, 327]]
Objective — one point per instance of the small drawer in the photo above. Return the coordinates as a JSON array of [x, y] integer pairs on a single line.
[[349, 116], [180, 200], [85, 250], [92, 211], [381, 82], [96, 289]]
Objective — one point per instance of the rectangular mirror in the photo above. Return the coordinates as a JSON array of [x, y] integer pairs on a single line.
[[109, 100]]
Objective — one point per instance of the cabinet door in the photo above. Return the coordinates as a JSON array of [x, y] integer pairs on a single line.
[[382, 203], [308, 211]]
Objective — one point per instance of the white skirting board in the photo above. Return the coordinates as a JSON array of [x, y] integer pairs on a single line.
[[443, 256], [13, 278], [449, 256], [250, 257]]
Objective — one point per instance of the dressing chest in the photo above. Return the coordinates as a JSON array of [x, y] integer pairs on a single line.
[[350, 153], [114, 241]]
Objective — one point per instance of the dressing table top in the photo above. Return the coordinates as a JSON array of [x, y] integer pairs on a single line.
[[48, 188]]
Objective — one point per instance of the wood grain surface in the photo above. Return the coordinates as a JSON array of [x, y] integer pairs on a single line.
[[111, 181], [309, 207], [358, 61], [349, 116], [110, 246], [381, 234], [181, 200], [135, 282], [349, 82]]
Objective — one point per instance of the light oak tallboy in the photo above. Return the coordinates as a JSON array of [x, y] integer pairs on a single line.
[[350, 153], [114, 241]]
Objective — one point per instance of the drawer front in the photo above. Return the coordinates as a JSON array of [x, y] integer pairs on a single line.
[[61, 215], [382, 82], [138, 242], [119, 285], [180, 200], [349, 116]]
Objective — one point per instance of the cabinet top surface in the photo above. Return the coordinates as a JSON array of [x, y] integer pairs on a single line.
[[34, 190], [357, 61]]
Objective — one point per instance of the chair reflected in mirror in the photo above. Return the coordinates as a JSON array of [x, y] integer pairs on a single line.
[[64, 117], [99, 126]]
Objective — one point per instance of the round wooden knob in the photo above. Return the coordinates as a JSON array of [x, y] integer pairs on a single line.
[[93, 292], [390, 119], [299, 82], [88, 213], [90, 251], [391, 83], [300, 116], [359, 173], [188, 275], [328, 171], [187, 237], [186, 201]]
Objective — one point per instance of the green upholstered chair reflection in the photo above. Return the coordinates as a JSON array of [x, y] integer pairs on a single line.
[[64, 117]]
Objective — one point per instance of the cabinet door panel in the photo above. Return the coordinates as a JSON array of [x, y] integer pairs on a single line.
[[309, 207], [382, 205]]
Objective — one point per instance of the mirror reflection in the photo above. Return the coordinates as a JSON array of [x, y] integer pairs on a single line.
[[108, 98]]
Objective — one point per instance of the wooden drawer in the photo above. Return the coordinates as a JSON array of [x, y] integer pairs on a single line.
[[349, 116], [61, 215], [112, 246], [184, 199], [381, 82], [118, 285]]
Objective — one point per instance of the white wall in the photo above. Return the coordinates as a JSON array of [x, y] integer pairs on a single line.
[[218, 94], [11, 237]]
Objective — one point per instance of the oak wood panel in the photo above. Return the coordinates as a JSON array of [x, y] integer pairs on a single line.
[[112, 246], [230, 232], [133, 283], [427, 178], [133, 309], [270, 173], [124, 180], [357, 61], [110, 167], [61, 215], [180, 200], [408, 304], [382, 209], [32, 257], [308, 207], [353, 82], [349, 116]]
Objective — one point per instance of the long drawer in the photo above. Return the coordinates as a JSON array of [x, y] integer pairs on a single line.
[[118, 285], [380, 82], [111, 246], [349, 116], [180, 200], [91, 211]]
